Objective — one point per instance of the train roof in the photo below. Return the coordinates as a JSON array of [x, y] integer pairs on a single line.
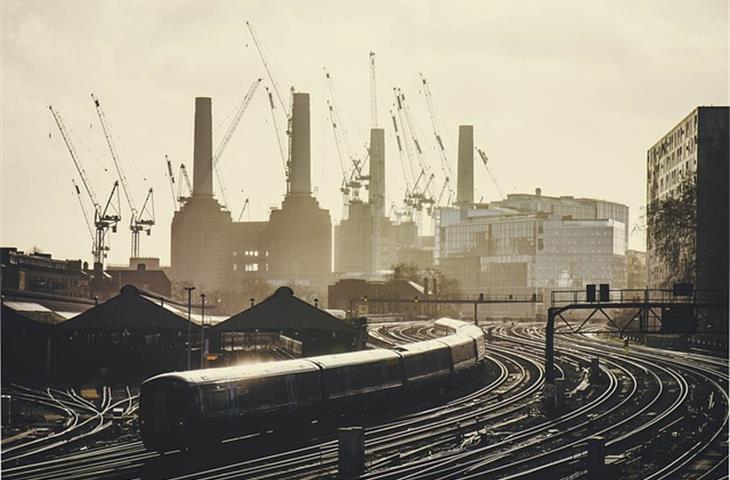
[[450, 323], [420, 347], [363, 356], [471, 331], [453, 340], [241, 372]]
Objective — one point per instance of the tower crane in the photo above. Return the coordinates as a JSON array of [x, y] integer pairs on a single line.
[[353, 176], [229, 134], [419, 196], [285, 107], [485, 160], [106, 217], [445, 164], [344, 186], [141, 220]]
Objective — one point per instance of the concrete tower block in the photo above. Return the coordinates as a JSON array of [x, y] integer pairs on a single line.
[[376, 194], [299, 176], [465, 174], [203, 148]]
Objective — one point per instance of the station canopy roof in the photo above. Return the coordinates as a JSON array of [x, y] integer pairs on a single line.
[[130, 310], [283, 311], [43, 308]]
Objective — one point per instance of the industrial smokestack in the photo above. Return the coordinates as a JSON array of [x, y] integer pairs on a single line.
[[377, 171], [299, 175], [465, 175], [203, 148]]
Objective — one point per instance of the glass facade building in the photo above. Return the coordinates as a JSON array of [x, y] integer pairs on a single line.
[[533, 247]]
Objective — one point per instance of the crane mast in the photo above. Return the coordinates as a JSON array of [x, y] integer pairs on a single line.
[[137, 222], [105, 217]]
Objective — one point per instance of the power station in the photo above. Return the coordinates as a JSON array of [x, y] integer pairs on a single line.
[[214, 253]]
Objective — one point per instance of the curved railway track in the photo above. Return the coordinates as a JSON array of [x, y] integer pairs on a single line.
[[498, 430]]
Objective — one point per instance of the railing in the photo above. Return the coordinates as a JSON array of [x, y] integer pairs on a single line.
[[658, 296]]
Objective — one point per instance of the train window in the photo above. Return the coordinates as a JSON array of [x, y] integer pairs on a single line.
[[216, 399], [269, 393]]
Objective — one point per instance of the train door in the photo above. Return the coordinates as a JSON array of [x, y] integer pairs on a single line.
[[160, 411]]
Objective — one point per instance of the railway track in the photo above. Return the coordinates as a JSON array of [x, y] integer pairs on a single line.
[[84, 420], [496, 431]]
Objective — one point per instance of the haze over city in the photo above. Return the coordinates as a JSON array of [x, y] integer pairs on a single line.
[[567, 99]]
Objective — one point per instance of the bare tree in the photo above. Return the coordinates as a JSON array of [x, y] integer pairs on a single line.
[[672, 229]]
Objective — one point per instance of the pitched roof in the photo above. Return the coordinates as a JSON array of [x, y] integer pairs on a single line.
[[44, 308], [283, 311], [128, 310]]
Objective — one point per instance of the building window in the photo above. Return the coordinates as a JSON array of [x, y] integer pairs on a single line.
[[235, 267], [252, 267]]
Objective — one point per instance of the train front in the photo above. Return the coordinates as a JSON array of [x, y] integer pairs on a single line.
[[167, 408]]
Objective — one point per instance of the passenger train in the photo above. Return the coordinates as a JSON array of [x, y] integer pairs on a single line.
[[192, 409]]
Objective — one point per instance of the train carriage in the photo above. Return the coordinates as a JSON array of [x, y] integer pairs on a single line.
[[425, 361], [347, 375], [200, 407], [177, 409]]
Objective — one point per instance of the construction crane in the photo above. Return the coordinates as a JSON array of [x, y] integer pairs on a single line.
[[344, 186], [353, 177], [229, 134], [106, 217], [373, 94], [141, 220], [407, 167], [285, 107], [172, 182], [418, 196], [485, 160], [445, 164]]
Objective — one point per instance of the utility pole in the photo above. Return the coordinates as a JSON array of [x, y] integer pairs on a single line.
[[190, 324], [202, 331]]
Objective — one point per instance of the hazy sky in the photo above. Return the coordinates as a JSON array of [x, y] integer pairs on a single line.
[[563, 95]]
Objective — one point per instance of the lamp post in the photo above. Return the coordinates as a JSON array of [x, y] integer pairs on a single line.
[[202, 331], [190, 324]]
